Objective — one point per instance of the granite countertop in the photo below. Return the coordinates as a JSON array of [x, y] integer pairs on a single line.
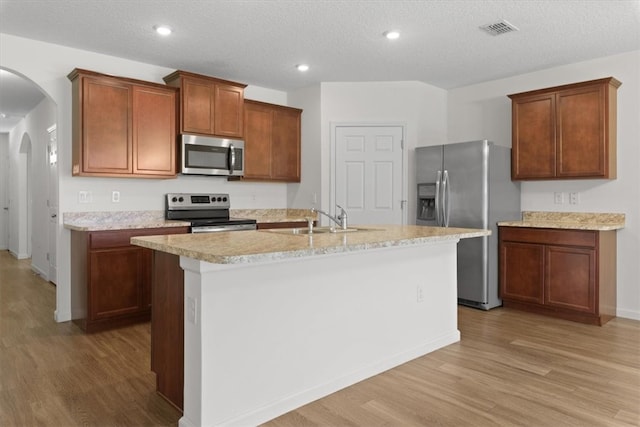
[[274, 215], [122, 220], [125, 220], [241, 247], [569, 221]]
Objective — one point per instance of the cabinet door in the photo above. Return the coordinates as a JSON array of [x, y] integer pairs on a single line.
[[257, 141], [570, 278], [228, 111], [534, 139], [106, 123], [154, 131], [197, 106], [285, 143], [115, 282], [581, 150], [522, 272]]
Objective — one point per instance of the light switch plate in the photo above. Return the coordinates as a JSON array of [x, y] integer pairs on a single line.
[[85, 197]]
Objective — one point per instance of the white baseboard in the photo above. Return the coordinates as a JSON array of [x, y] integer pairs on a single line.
[[61, 316], [18, 256], [39, 272], [628, 314]]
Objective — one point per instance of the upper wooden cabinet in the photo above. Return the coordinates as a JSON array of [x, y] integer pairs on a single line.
[[272, 142], [122, 127], [565, 132], [209, 106]]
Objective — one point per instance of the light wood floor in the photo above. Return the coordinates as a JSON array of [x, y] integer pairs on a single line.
[[510, 369]]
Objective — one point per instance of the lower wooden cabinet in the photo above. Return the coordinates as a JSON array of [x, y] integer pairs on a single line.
[[563, 273], [110, 278], [167, 327]]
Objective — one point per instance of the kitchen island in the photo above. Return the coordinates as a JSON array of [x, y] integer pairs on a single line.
[[274, 320]]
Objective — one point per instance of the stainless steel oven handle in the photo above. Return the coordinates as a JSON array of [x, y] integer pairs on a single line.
[[232, 158], [220, 228]]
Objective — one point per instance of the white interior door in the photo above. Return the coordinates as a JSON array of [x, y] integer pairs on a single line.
[[4, 193], [369, 173], [52, 150]]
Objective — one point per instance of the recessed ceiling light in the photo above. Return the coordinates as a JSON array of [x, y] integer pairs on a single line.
[[391, 35], [163, 30], [302, 67]]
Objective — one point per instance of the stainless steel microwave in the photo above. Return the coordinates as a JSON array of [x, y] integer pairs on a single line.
[[204, 155]]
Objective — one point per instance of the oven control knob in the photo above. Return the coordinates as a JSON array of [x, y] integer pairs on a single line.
[[174, 199], [180, 199], [219, 199], [213, 199], [224, 199]]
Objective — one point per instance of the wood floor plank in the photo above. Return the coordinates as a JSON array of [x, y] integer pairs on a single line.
[[509, 369]]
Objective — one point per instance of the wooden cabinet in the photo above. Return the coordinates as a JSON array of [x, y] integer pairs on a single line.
[[167, 327], [564, 273], [209, 106], [110, 278], [272, 142], [565, 132], [289, 224], [122, 127]]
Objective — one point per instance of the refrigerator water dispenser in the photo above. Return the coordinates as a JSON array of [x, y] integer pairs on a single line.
[[426, 202]]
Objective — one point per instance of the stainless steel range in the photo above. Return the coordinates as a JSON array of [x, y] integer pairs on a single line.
[[207, 213]]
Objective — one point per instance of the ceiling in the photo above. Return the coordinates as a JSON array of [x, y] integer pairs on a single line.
[[259, 42]]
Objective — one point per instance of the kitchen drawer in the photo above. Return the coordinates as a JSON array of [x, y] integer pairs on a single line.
[[546, 236]]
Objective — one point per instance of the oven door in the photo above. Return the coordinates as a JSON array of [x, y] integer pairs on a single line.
[[200, 155]]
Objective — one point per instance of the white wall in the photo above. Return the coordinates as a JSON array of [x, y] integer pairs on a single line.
[[47, 65], [4, 190], [419, 107], [484, 111], [32, 128], [302, 195]]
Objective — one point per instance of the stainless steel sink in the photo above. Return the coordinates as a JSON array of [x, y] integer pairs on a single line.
[[315, 230]]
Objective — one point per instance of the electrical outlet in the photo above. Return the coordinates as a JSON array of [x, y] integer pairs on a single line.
[[558, 198], [85, 197], [115, 197], [574, 198], [419, 294]]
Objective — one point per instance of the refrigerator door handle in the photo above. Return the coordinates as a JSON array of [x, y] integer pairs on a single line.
[[437, 199], [446, 198]]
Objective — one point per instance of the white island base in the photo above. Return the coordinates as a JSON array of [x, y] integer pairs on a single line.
[[262, 339]]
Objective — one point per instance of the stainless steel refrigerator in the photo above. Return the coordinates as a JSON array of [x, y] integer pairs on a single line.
[[469, 185]]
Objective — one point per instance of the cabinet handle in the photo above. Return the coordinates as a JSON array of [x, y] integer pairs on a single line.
[[232, 158]]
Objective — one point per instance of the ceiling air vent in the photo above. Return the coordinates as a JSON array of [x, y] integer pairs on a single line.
[[499, 28]]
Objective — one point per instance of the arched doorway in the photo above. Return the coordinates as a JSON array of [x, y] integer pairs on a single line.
[[32, 174]]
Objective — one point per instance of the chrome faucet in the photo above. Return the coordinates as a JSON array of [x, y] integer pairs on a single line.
[[341, 219]]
